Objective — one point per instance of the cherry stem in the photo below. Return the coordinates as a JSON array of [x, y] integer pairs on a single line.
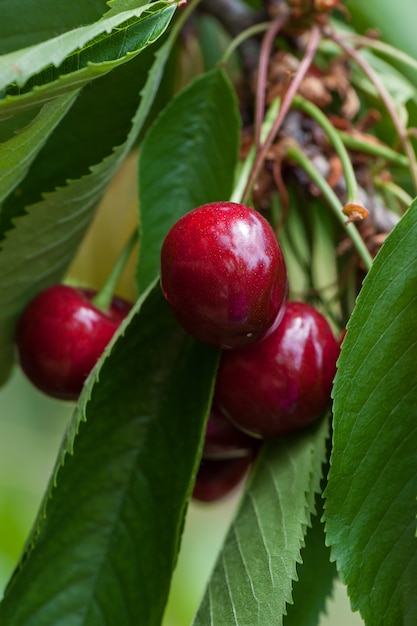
[[352, 195], [245, 169], [243, 36], [305, 63], [380, 46], [103, 298], [391, 187], [297, 155], [386, 99], [373, 149], [265, 53]]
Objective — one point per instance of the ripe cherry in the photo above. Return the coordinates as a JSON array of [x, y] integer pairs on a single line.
[[283, 383], [61, 335], [223, 440], [217, 478], [223, 274]]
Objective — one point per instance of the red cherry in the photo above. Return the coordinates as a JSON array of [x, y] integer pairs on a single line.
[[224, 441], [223, 274], [283, 383], [217, 478], [60, 336]]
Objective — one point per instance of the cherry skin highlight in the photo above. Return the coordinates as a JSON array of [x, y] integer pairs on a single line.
[[61, 335], [282, 384], [223, 274]]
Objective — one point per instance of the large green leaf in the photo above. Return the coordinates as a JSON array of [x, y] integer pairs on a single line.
[[18, 152], [252, 580], [43, 19], [44, 221], [85, 137], [117, 6], [108, 538], [188, 158], [316, 575], [70, 60], [371, 507], [41, 230]]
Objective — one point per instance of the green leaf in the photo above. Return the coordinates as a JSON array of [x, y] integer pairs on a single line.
[[46, 234], [370, 509], [108, 540], [188, 158], [68, 155], [36, 74], [400, 88], [316, 575], [18, 153], [42, 20], [295, 240], [117, 6], [7, 352], [253, 577], [42, 228]]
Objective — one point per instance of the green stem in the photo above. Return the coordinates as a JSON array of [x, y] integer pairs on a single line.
[[245, 34], [373, 149], [299, 157], [261, 81], [103, 298], [240, 185], [386, 99], [305, 63], [396, 190], [244, 171], [390, 51], [314, 112]]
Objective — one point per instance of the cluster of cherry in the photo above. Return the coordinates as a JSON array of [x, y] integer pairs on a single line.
[[224, 275]]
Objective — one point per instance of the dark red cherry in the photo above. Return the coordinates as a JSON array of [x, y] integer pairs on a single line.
[[223, 440], [283, 383], [217, 478], [60, 336], [223, 274]]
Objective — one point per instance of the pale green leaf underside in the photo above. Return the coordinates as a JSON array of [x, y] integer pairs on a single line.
[[76, 57], [107, 544], [188, 158], [17, 154], [371, 506], [253, 577], [116, 6]]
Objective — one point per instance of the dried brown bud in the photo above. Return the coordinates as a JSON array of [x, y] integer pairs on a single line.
[[355, 212]]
